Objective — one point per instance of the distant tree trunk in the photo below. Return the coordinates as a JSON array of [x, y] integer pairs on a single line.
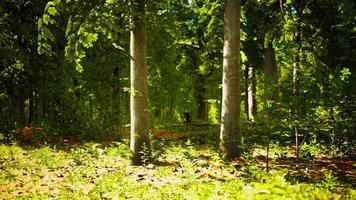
[[296, 67], [270, 76], [139, 144], [202, 112], [296, 72], [45, 105], [250, 100], [158, 111], [116, 94], [253, 92], [230, 136], [31, 106], [21, 92], [21, 108], [35, 98]]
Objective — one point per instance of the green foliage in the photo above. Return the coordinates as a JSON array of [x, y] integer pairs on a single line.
[[47, 157], [64, 68], [329, 181], [185, 170]]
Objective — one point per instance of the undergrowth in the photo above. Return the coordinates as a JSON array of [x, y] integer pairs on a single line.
[[183, 169]]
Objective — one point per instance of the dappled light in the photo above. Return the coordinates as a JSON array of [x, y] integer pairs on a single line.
[[189, 99]]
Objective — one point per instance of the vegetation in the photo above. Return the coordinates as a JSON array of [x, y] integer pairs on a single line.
[[183, 169], [188, 99]]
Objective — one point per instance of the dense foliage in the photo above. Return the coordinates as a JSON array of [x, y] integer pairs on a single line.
[[65, 73]]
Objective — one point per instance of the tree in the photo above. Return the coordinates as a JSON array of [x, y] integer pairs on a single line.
[[250, 92], [270, 76], [139, 144], [19, 63], [252, 47], [230, 136]]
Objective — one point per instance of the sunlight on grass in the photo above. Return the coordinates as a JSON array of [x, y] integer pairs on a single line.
[[45, 156], [184, 171]]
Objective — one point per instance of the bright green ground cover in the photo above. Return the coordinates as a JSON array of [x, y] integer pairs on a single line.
[[181, 171]]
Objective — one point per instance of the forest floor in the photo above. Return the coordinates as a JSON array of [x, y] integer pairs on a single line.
[[182, 169]]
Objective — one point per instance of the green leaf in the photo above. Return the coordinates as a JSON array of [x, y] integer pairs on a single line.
[[52, 11], [78, 67], [69, 25], [46, 18]]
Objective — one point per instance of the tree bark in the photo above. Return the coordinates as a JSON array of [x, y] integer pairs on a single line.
[[270, 76], [251, 102], [139, 144], [230, 137]]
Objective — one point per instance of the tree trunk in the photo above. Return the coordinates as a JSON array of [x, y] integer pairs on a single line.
[[116, 94], [45, 106], [271, 77], [296, 69], [230, 137], [21, 108], [202, 112], [31, 106], [139, 144], [246, 73], [251, 93]]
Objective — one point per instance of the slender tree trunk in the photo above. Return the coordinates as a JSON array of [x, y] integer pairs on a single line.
[[158, 111], [246, 90], [35, 95], [253, 92], [251, 106], [139, 144], [31, 106], [116, 94], [21, 92], [45, 106], [171, 109], [230, 136], [202, 112], [21, 108], [296, 69]]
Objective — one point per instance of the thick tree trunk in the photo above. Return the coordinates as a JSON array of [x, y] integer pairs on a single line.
[[230, 136], [139, 144]]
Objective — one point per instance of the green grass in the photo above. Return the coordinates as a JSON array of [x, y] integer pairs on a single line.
[[182, 170]]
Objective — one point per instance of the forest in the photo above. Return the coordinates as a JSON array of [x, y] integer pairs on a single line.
[[177, 99]]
